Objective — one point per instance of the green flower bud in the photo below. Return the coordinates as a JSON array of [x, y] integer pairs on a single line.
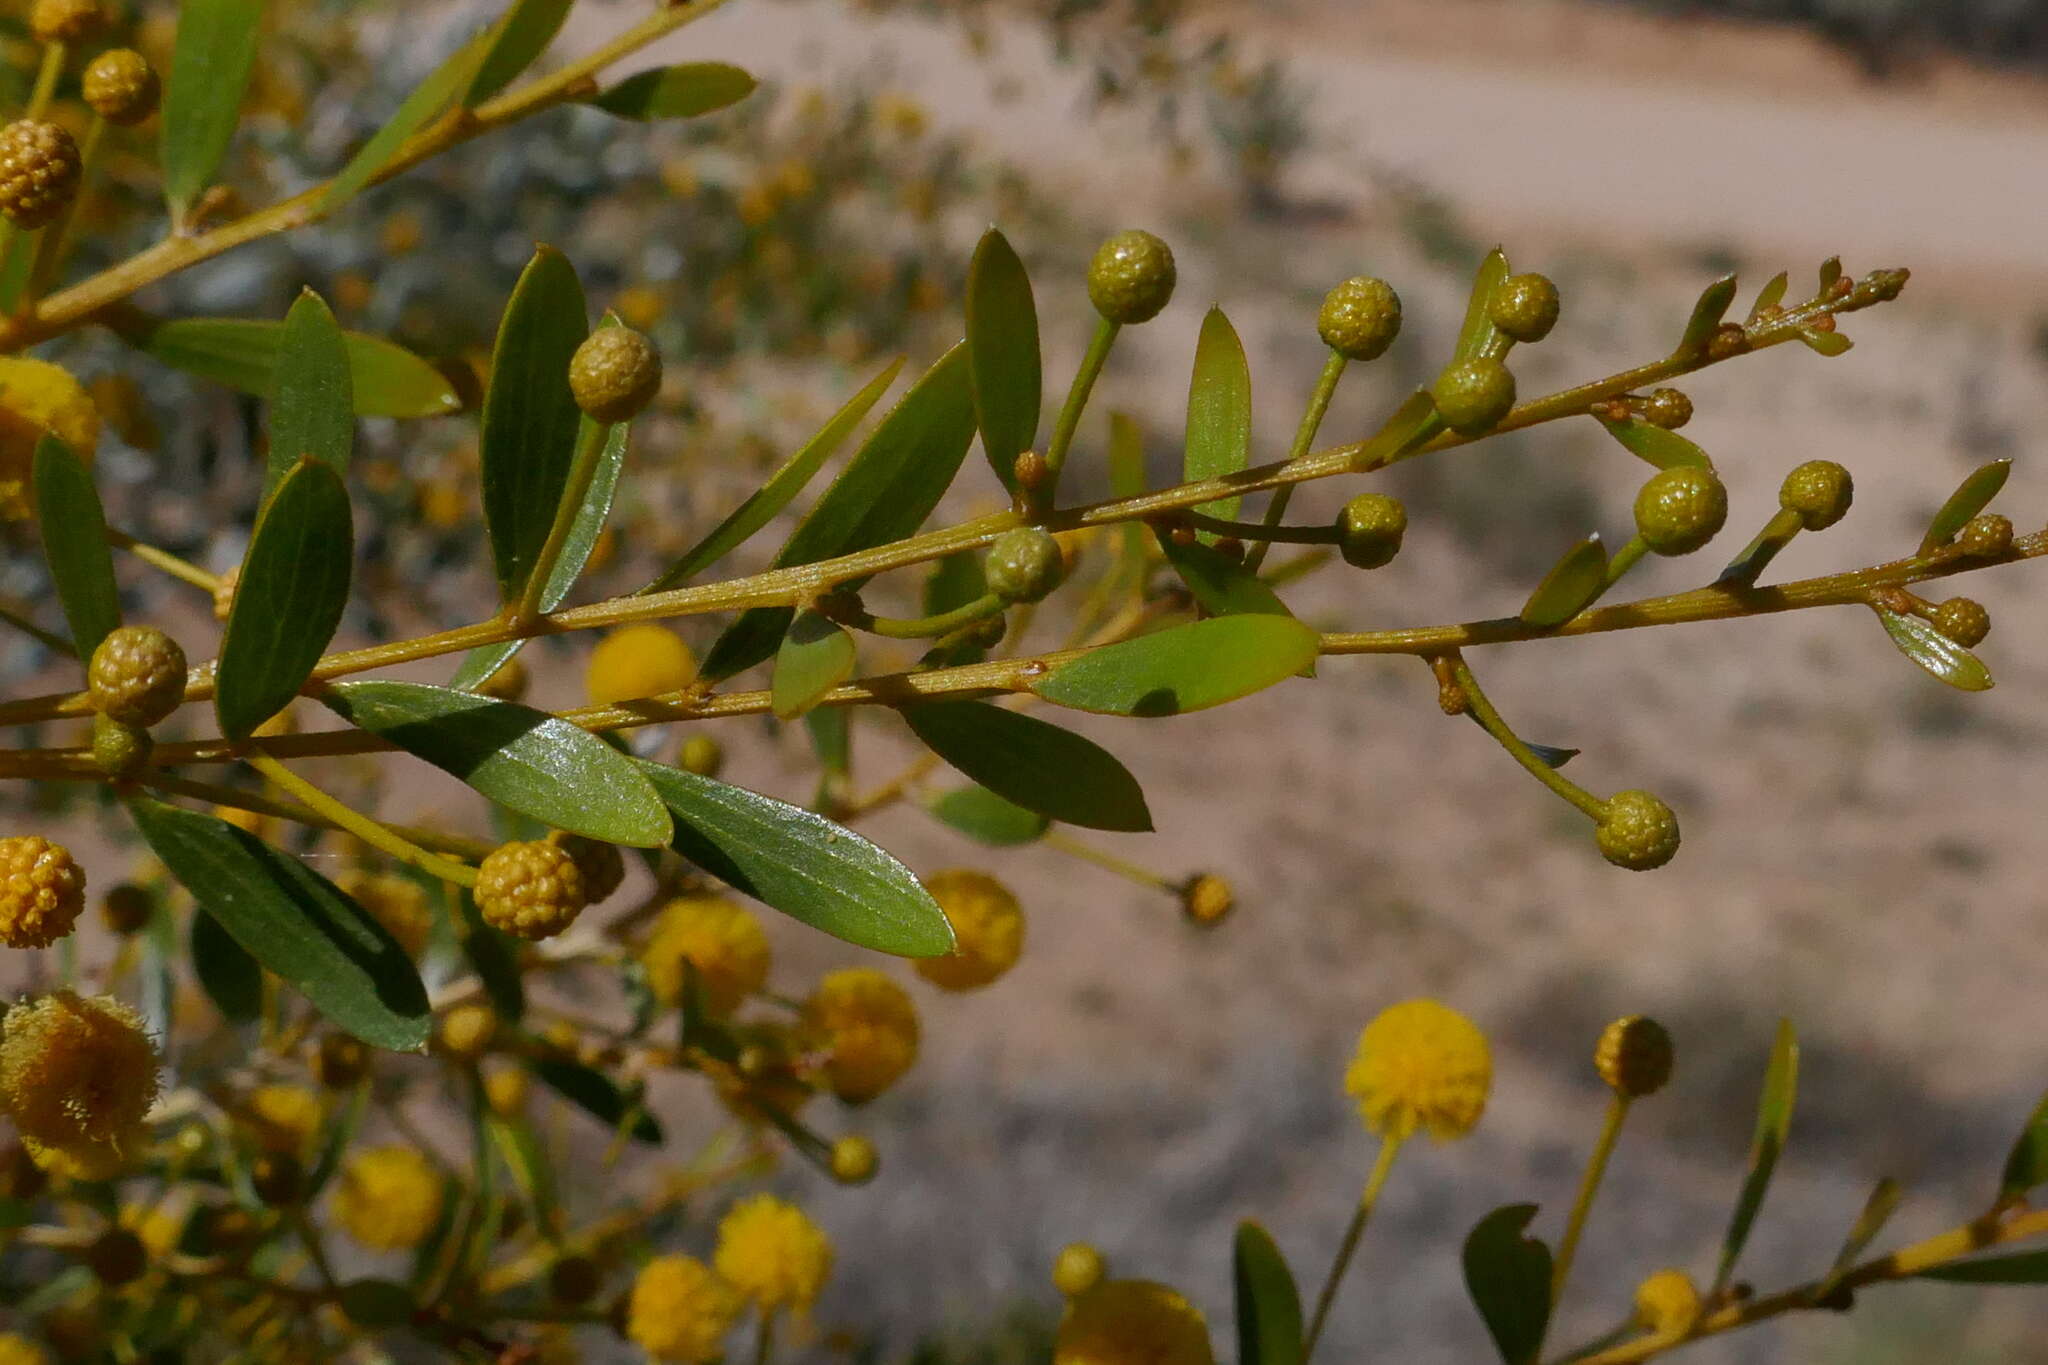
[[119, 750], [1963, 620], [1474, 396], [1024, 564], [1131, 277], [702, 755], [1360, 318], [1369, 530], [614, 374], [1986, 537], [1680, 509], [1524, 307], [1820, 491], [1667, 408], [1639, 832]]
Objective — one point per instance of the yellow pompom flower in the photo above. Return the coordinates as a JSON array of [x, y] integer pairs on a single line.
[[157, 1228], [283, 1118], [388, 1198], [639, 660], [868, 1028], [1420, 1064], [38, 399], [19, 1350], [988, 930], [1668, 1303], [397, 903], [1132, 1322], [680, 1310], [77, 1075], [772, 1253], [720, 938]]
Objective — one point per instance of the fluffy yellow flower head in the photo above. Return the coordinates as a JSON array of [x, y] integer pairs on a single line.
[[867, 1026], [680, 1310], [1668, 1303], [283, 1118], [77, 1074], [1420, 1064], [1132, 1322], [38, 398], [638, 661], [388, 1198], [397, 903], [988, 930], [724, 942], [772, 1253], [19, 1350]]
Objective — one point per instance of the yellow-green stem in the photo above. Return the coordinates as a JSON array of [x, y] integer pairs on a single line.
[[47, 74], [1304, 437], [589, 450], [1069, 420], [930, 627], [1589, 1185], [1390, 1147], [1483, 712], [1108, 862], [164, 561], [1627, 557], [371, 832]]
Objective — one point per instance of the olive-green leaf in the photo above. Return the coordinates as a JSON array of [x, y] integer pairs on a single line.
[[1972, 496], [1773, 1122], [1224, 586], [1219, 430], [516, 42], [1662, 448], [525, 760], [1770, 296], [1713, 305], [1478, 336], [211, 62], [1406, 431], [1002, 348], [831, 736], [228, 975], [313, 414], [430, 98], [595, 1094], [530, 419], [676, 91], [782, 486], [883, 495], [1184, 668], [387, 379], [1127, 480], [2026, 1166], [1826, 343], [1268, 1305], [1919, 641], [2028, 1267], [293, 921], [376, 1304], [816, 656], [1830, 271], [802, 864], [981, 815], [528, 1162], [74, 531], [1571, 586], [289, 599], [1033, 763], [1507, 1274], [1877, 1211]]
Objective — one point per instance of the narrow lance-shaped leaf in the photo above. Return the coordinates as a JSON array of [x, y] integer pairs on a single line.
[[1268, 1305], [226, 972], [1773, 1122], [1412, 424], [525, 760], [431, 97], [288, 600], [1037, 765], [1479, 336], [313, 414], [1877, 1211], [1219, 430], [530, 418], [2026, 1166], [74, 529], [676, 91], [1660, 447], [1770, 296], [211, 62], [388, 380], [595, 1094], [1572, 585], [1127, 480], [1972, 496], [1002, 348], [1713, 305], [1549, 754], [802, 864], [1224, 586], [831, 736], [2028, 1267], [293, 921], [1830, 271], [1919, 641], [1185, 668], [981, 815], [1508, 1275], [1825, 342], [816, 656], [516, 42]]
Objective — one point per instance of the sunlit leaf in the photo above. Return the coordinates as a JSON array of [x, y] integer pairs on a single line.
[[1713, 305], [530, 418], [1508, 1275], [981, 815], [211, 62], [676, 91], [1268, 1305], [388, 380], [597, 1095], [1662, 448], [1773, 1122], [1033, 763], [1478, 336], [1972, 496], [1919, 641], [1185, 668], [1825, 342], [313, 414], [429, 99], [1411, 426], [1571, 586], [816, 656], [74, 531], [1219, 430], [288, 600], [1002, 348]]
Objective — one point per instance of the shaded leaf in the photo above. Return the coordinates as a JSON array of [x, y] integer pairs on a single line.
[[429, 99], [1550, 755], [228, 975], [1268, 1305], [1478, 336], [293, 921], [1773, 1122], [1713, 305], [816, 656], [2028, 1267], [1572, 585], [1919, 641], [597, 1095], [74, 529], [1877, 1211], [211, 62], [980, 814], [1002, 349], [1770, 296], [527, 442], [1127, 480], [831, 737], [2026, 1165], [1032, 763], [1508, 1275], [1224, 586], [1411, 426], [531, 1170], [516, 42], [388, 380], [1185, 668], [494, 957], [313, 414], [1662, 448], [288, 600], [376, 1304], [1219, 430], [802, 864], [525, 760], [1830, 271], [1972, 496], [676, 91]]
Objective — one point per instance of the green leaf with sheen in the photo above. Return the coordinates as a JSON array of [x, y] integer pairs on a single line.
[[1773, 1123], [1219, 430], [1919, 641], [598, 1096], [1002, 347], [530, 418], [516, 43], [429, 99], [1707, 313], [313, 414], [1224, 586], [1478, 336], [226, 972], [1574, 583], [288, 600], [1035, 764], [1656, 445], [1972, 496], [816, 656], [1184, 668]]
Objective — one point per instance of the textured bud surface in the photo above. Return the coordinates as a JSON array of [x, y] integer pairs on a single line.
[[1369, 530], [854, 1161], [121, 86], [1634, 1056], [1681, 509], [1639, 833], [1963, 620], [41, 891], [1207, 900], [531, 889], [137, 675], [67, 21], [1078, 1268], [1986, 537], [1474, 395], [1667, 408], [1131, 277], [1524, 307], [39, 171], [1820, 491], [614, 374], [1024, 564], [1360, 318], [602, 865]]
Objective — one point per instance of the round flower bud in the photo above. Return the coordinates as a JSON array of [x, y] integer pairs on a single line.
[[119, 751], [1420, 1065], [1207, 900], [574, 1279], [643, 659], [1131, 277], [1524, 307], [1820, 491], [39, 172], [988, 930], [1132, 1322], [720, 939], [77, 1074], [1986, 537], [505, 1087], [127, 909], [1024, 564], [41, 891], [1360, 318], [702, 755], [529, 889], [508, 683], [283, 1118], [137, 675], [1633, 1056], [1963, 620], [868, 1029], [1668, 1303], [614, 374], [602, 865], [388, 1198], [680, 1311], [1078, 1268], [121, 86], [1369, 530], [340, 1062], [1667, 408], [854, 1160], [467, 1030], [67, 21], [1639, 831], [278, 1179], [1474, 395], [117, 1257], [1680, 509], [772, 1253]]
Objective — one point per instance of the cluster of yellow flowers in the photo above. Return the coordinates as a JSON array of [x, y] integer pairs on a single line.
[[770, 1256]]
